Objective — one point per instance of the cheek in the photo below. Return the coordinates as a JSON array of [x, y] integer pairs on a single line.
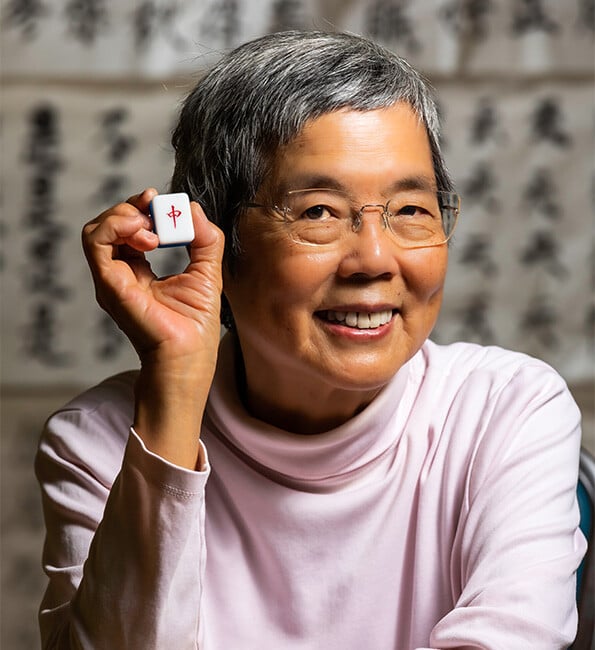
[[303, 276], [279, 280], [424, 271]]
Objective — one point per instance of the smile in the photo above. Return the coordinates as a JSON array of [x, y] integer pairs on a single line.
[[360, 319]]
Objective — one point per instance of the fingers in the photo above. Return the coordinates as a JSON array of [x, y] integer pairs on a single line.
[[152, 311], [141, 201], [124, 233], [122, 224], [208, 239]]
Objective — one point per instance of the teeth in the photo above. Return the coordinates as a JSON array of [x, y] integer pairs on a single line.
[[351, 319], [361, 319], [375, 319]]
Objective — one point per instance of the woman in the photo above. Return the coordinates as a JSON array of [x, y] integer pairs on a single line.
[[326, 477]]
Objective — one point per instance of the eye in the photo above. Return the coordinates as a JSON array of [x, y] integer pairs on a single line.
[[418, 211], [411, 211], [316, 213], [316, 206]]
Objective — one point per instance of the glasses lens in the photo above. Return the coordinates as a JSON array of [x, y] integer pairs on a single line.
[[420, 219], [317, 216], [450, 205], [416, 218]]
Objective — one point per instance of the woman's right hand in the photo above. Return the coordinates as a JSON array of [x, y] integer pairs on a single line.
[[172, 322]]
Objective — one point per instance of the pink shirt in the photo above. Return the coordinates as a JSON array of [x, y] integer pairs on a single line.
[[442, 516]]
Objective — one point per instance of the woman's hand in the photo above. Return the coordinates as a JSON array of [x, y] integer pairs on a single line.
[[172, 322]]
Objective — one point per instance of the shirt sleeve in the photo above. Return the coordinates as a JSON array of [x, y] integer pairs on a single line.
[[518, 544], [124, 549]]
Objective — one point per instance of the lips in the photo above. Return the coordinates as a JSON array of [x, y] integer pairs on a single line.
[[359, 319]]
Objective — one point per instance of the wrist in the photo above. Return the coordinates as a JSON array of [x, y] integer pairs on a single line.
[[170, 399]]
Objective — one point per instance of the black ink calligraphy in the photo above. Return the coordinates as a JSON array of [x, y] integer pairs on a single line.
[[531, 15], [539, 322], [547, 123], [43, 278], [388, 21], [468, 17], [474, 317], [86, 19], [543, 251], [25, 15]]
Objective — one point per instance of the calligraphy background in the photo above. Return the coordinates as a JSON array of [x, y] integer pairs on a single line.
[[90, 93]]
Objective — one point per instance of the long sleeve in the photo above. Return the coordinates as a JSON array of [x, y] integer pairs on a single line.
[[442, 516], [124, 551], [517, 546]]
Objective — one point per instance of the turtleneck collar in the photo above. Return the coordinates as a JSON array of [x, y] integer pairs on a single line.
[[328, 458]]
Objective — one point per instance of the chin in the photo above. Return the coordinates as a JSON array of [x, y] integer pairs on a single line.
[[363, 377]]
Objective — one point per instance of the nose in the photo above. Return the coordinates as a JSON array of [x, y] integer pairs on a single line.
[[369, 250]]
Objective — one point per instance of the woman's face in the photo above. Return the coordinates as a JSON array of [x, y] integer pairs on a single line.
[[305, 370]]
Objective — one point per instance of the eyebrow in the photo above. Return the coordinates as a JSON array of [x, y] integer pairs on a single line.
[[313, 181], [420, 182]]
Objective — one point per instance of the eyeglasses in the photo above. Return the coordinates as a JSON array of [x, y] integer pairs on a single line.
[[323, 217]]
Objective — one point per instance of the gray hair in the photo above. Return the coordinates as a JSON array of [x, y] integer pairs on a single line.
[[258, 97]]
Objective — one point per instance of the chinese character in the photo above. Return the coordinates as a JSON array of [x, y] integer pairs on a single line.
[[485, 123], [40, 336], [387, 21], [148, 20], [86, 18], [42, 278], [25, 14], [540, 194], [468, 17], [480, 187], [44, 274], [144, 19], [543, 250], [112, 189], [547, 123], [476, 253], [119, 144], [474, 316], [222, 21], [42, 201], [45, 137], [174, 214], [586, 15], [530, 15], [539, 321]]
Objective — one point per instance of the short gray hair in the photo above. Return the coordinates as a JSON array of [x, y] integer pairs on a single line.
[[258, 98]]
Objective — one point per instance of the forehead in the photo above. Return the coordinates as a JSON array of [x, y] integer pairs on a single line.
[[356, 150]]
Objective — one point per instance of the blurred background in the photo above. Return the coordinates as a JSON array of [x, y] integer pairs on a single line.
[[90, 92]]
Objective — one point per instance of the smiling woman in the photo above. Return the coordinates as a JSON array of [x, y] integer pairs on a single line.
[[323, 477], [284, 333]]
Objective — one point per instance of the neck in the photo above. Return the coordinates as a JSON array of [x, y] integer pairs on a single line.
[[289, 407]]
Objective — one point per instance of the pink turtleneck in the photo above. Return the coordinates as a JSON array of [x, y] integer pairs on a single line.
[[442, 516]]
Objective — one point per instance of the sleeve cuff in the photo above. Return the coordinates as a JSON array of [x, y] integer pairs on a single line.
[[164, 473]]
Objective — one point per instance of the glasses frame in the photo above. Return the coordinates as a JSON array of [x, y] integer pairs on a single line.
[[357, 216]]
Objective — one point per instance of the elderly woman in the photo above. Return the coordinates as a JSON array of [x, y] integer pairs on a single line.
[[326, 477]]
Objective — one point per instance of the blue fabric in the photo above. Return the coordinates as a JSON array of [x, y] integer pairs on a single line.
[[586, 524]]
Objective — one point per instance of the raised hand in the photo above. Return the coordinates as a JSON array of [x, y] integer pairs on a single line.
[[172, 322]]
